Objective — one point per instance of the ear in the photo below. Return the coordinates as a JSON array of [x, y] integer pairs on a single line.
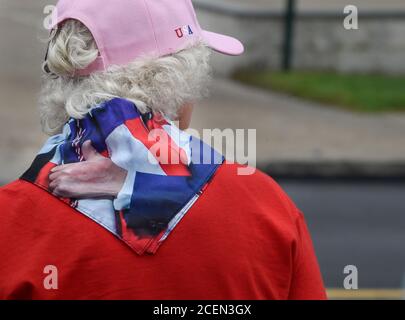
[[185, 116]]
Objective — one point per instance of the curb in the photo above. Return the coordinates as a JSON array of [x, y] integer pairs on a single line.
[[346, 170], [335, 170]]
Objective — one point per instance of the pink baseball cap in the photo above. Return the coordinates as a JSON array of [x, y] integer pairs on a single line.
[[127, 29]]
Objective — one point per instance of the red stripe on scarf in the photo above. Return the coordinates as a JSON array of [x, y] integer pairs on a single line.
[[173, 155]]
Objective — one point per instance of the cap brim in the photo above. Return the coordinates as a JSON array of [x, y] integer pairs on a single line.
[[223, 44]]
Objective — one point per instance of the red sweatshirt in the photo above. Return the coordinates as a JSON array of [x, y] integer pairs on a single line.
[[243, 239]]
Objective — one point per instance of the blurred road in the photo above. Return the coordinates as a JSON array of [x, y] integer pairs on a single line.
[[357, 223]]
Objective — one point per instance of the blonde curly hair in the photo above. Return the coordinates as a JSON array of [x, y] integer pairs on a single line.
[[161, 84]]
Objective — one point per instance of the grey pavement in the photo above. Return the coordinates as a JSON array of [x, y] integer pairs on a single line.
[[290, 129]]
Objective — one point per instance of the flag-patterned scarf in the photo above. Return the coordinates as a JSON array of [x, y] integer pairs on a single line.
[[167, 171]]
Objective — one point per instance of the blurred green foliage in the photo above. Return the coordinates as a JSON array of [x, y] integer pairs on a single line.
[[363, 93]]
